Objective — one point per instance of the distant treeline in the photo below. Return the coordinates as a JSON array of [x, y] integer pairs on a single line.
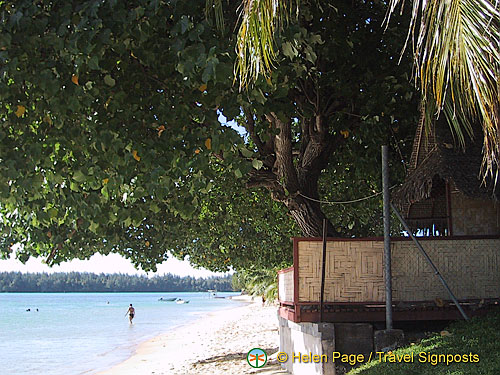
[[91, 282]]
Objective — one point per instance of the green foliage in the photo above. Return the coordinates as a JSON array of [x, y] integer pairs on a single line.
[[234, 227], [105, 125], [365, 217], [261, 21], [455, 49], [481, 337], [257, 282], [110, 138], [90, 282], [457, 58], [362, 70]]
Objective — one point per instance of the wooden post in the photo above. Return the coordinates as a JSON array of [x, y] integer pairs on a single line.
[[387, 238], [323, 268], [448, 209]]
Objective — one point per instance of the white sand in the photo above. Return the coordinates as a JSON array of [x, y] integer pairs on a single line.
[[215, 344]]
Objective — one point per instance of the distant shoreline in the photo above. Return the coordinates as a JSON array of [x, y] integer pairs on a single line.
[[127, 291], [85, 282]]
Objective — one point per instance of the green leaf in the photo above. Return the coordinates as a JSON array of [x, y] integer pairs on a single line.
[[127, 222], [257, 164], [53, 212], [315, 38], [184, 24], [104, 192], [78, 176], [93, 227], [289, 50], [108, 80], [246, 152], [94, 63], [154, 207]]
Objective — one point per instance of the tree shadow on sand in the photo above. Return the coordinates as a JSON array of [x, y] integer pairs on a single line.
[[233, 356]]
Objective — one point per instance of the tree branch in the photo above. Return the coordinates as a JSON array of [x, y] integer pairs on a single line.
[[284, 159], [268, 180], [250, 126]]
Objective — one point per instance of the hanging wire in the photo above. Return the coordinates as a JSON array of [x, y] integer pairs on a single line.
[[345, 202]]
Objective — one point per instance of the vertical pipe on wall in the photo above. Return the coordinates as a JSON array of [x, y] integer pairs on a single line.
[[448, 209], [387, 238], [323, 268]]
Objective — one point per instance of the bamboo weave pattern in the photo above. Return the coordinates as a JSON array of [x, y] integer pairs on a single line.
[[354, 270]]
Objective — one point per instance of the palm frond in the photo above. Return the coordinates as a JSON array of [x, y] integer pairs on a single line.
[[260, 21], [258, 282], [213, 10], [457, 63]]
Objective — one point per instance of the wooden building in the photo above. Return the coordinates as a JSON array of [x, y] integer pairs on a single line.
[[444, 194], [457, 219], [456, 215]]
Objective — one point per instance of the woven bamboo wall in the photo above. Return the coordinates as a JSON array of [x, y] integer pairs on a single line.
[[285, 286], [473, 216], [354, 270], [470, 267]]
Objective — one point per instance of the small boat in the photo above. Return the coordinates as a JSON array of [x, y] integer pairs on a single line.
[[181, 301], [167, 299]]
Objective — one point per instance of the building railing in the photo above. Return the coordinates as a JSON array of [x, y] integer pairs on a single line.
[[354, 270]]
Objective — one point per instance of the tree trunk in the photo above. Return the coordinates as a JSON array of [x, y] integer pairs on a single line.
[[295, 184], [291, 168], [309, 217]]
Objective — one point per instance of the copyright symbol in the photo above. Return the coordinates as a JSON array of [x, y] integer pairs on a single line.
[[282, 357]]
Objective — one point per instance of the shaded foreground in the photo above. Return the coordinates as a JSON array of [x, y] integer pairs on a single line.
[[478, 341]]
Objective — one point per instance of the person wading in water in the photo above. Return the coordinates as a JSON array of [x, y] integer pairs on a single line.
[[131, 313]]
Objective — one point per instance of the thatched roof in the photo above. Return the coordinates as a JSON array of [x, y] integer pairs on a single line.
[[452, 164]]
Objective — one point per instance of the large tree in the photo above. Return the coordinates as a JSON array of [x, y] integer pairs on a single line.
[[338, 74], [111, 140], [456, 48]]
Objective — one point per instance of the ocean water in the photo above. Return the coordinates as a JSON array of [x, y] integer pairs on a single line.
[[84, 333]]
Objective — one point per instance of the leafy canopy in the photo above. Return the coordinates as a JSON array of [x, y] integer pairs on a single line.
[[455, 47], [108, 119], [110, 133]]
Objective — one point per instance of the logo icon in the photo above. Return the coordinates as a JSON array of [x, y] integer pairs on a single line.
[[257, 358]]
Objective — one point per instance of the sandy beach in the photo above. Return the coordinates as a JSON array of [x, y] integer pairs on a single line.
[[214, 344]]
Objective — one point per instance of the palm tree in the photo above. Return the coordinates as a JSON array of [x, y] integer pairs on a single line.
[[457, 63], [456, 52]]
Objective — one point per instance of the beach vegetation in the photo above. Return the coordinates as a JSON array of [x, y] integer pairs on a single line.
[[257, 282], [91, 282], [464, 348]]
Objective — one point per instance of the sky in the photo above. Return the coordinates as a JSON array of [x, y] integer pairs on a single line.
[[98, 263]]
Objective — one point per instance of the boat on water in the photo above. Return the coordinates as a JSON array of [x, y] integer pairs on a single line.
[[181, 301], [167, 299]]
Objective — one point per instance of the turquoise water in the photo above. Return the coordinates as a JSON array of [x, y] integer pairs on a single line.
[[83, 333]]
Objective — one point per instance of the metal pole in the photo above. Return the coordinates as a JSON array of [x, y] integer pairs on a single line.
[[436, 271], [323, 267], [387, 238]]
